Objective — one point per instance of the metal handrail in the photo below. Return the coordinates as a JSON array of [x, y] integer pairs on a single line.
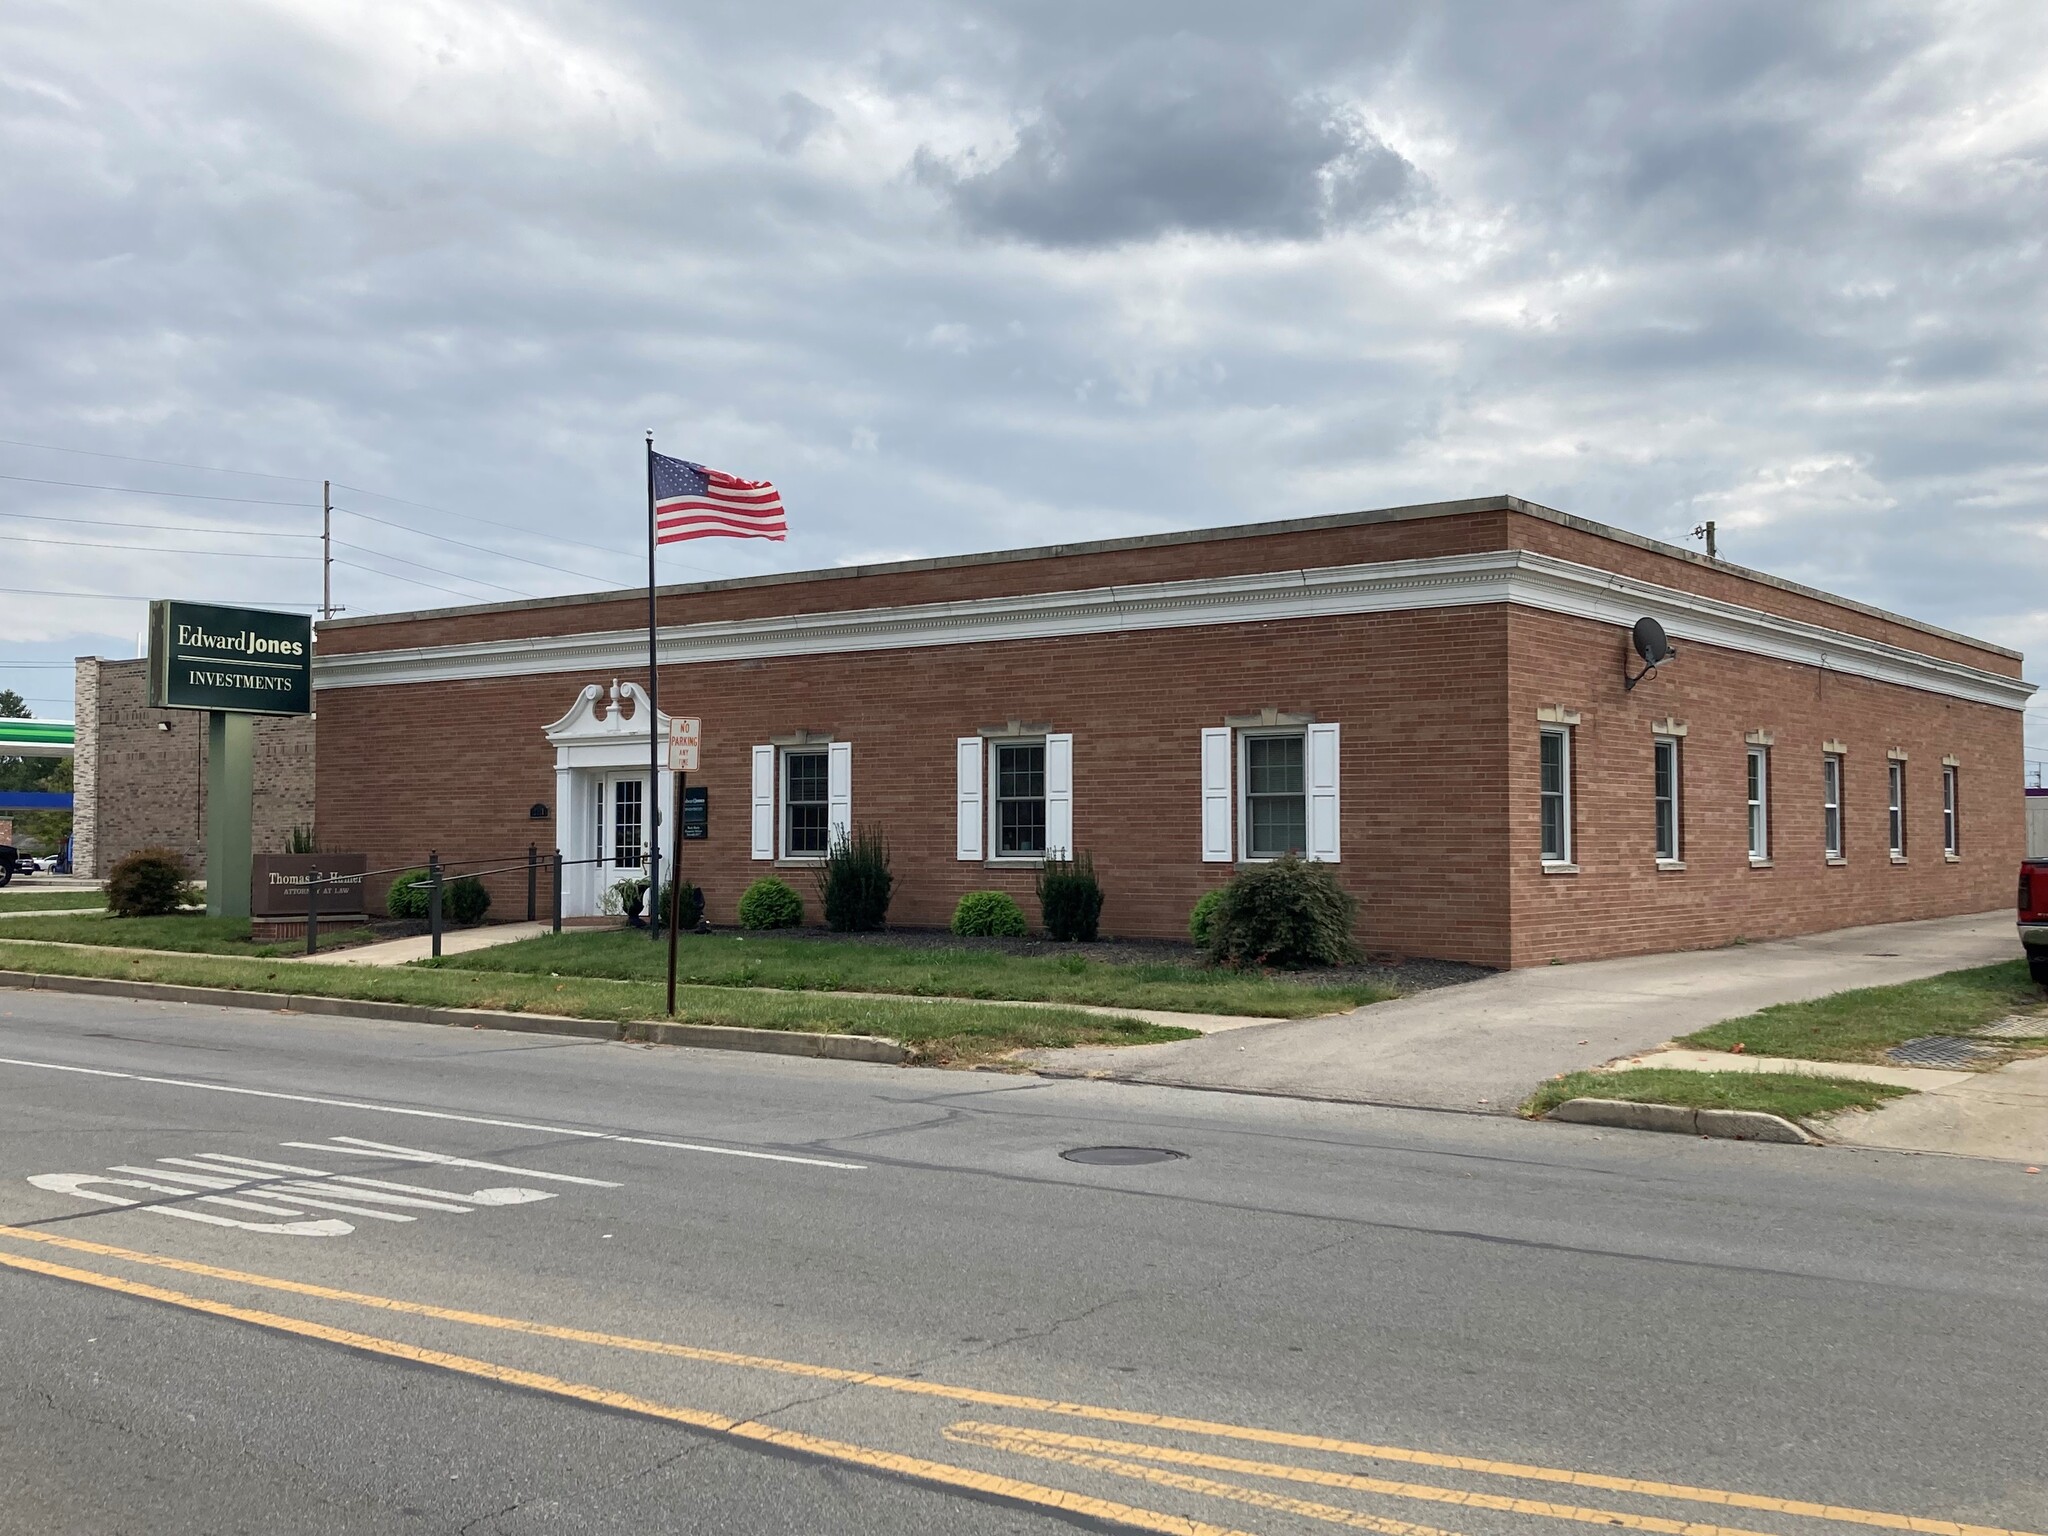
[[435, 870]]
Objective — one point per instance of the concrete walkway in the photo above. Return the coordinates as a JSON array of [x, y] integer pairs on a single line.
[[1918, 1078], [454, 941], [1485, 1045], [2001, 1114]]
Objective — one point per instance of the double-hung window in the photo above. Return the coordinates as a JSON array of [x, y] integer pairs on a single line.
[[1831, 804], [1665, 750], [1555, 793], [1019, 771], [1759, 795], [1897, 807], [806, 803], [1951, 813], [1275, 794]]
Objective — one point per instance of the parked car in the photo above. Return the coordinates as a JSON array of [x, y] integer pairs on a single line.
[[8, 859], [2033, 904]]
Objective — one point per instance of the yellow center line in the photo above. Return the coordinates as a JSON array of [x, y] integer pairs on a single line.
[[1029, 1442], [941, 1473], [1259, 1498], [1845, 1514]]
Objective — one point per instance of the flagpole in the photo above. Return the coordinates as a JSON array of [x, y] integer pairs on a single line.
[[653, 818]]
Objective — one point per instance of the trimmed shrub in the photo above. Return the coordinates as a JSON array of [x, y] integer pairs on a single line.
[[463, 900], [150, 882], [1204, 914], [1070, 899], [407, 896], [854, 882], [692, 910], [1288, 912], [988, 914], [770, 903]]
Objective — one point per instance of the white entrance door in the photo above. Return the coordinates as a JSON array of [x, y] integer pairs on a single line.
[[622, 827]]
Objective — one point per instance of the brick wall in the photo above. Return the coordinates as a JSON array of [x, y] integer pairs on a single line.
[[1421, 697], [1621, 903], [140, 785]]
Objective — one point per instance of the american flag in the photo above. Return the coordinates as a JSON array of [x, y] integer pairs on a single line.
[[692, 502]]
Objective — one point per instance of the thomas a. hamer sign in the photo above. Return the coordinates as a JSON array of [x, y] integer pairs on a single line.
[[248, 660]]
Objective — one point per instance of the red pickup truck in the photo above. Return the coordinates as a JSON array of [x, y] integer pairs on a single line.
[[2034, 916]]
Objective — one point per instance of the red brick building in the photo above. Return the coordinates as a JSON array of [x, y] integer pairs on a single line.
[[1430, 698]]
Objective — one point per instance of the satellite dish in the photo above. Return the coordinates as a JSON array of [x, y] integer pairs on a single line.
[[1651, 642], [1653, 645]]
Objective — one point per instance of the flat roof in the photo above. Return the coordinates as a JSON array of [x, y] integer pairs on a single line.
[[1498, 503]]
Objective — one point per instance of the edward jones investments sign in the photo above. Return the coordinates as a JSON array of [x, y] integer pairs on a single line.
[[244, 659]]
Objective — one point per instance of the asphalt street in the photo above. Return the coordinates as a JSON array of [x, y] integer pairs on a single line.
[[273, 1274]]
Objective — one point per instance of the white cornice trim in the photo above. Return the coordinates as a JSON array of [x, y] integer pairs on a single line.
[[1519, 577]]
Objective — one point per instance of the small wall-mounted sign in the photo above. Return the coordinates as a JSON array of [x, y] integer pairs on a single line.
[[696, 812], [538, 813]]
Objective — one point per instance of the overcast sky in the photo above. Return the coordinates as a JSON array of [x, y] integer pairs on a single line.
[[966, 277]]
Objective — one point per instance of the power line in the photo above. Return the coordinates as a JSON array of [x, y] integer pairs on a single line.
[[112, 597], [488, 522], [109, 522], [153, 549], [479, 548], [419, 566], [64, 664], [129, 458], [467, 597], [131, 490]]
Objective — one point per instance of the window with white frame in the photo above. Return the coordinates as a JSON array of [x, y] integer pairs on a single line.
[[1896, 809], [1665, 750], [1014, 796], [802, 798], [1271, 789], [1951, 813], [806, 803], [1018, 771], [1759, 795], [1555, 792], [1274, 773], [1831, 804]]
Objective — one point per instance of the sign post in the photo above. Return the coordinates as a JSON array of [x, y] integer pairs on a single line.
[[685, 737], [233, 664]]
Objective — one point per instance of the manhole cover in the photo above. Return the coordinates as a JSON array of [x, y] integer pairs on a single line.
[[2018, 1027], [1882, 954], [1938, 1051], [1121, 1157]]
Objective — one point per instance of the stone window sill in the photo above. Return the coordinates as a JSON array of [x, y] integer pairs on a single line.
[[1900, 858], [1552, 867], [1836, 861], [1757, 863], [1671, 866], [1952, 858], [1031, 862], [804, 863]]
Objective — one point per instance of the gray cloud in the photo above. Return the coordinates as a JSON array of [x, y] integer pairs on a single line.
[[1181, 134]]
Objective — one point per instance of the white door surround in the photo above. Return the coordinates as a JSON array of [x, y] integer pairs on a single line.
[[601, 740]]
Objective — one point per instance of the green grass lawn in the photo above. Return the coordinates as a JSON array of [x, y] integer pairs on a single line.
[[1862, 1025], [188, 933], [939, 1033], [14, 899], [730, 960], [1778, 1093]]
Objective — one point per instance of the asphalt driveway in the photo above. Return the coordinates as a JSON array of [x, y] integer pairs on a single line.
[[1485, 1045]]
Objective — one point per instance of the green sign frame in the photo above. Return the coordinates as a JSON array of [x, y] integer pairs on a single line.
[[245, 661]]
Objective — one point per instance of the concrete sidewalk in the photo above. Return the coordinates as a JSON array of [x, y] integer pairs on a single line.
[[2001, 1114], [1485, 1045], [454, 941]]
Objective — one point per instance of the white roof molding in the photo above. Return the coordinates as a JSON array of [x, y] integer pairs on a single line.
[[1520, 577]]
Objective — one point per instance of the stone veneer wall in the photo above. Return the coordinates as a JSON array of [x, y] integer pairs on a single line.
[[139, 785]]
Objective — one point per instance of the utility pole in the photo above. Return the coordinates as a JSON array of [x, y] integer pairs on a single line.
[[326, 549], [1706, 531]]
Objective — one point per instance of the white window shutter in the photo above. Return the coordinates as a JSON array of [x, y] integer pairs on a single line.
[[1216, 811], [839, 791], [1324, 841], [764, 803], [967, 798], [1059, 797]]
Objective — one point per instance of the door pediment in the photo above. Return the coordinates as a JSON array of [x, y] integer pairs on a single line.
[[606, 728]]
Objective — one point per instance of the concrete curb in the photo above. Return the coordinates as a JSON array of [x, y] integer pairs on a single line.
[[1731, 1124], [709, 1037]]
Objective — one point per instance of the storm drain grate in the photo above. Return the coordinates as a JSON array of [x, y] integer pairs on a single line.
[[1121, 1157], [1938, 1051], [2018, 1027]]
